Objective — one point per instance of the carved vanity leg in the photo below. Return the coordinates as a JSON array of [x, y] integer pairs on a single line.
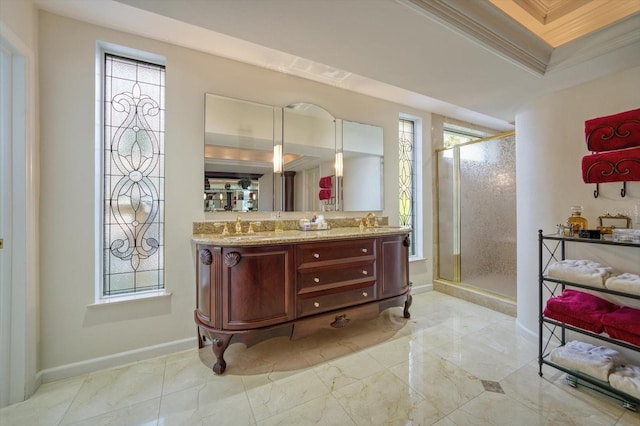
[[200, 339], [220, 343], [407, 305]]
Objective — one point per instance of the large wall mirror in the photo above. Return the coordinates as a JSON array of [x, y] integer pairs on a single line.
[[309, 146], [238, 155], [362, 163], [298, 158]]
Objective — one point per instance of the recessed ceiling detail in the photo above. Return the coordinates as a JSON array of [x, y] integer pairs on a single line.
[[558, 22], [547, 11]]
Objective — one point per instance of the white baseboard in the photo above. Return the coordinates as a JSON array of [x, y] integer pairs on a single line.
[[115, 360], [421, 288]]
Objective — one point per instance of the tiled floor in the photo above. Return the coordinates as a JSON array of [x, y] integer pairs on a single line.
[[452, 363]]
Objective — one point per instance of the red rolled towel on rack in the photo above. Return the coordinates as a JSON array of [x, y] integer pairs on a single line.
[[617, 131], [326, 182], [324, 194], [580, 309], [614, 166], [623, 324]]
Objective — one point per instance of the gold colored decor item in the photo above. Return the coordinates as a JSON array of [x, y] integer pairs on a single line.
[[609, 222]]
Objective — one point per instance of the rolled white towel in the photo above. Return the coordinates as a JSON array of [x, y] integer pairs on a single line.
[[627, 282], [626, 379], [596, 361], [580, 271]]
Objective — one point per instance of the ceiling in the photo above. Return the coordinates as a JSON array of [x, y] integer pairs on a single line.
[[478, 61]]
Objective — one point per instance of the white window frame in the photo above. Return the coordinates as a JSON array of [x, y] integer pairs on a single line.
[[418, 198], [103, 48]]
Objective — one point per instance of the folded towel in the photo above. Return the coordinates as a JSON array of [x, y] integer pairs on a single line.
[[615, 166], [625, 319], [585, 324], [580, 271], [626, 379], [580, 309], [326, 182], [627, 282], [324, 194], [596, 361], [619, 334], [617, 131]]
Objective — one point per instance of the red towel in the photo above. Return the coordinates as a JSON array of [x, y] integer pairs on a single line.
[[580, 309], [615, 166], [616, 333], [613, 132], [326, 182], [625, 319], [324, 194]]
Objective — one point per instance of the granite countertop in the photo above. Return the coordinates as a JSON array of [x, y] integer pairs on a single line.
[[295, 236]]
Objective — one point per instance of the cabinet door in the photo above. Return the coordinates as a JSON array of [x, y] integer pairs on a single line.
[[257, 286], [393, 266]]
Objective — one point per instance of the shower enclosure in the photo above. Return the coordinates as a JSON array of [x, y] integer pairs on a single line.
[[476, 215]]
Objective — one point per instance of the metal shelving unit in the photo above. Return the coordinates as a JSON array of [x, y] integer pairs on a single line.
[[553, 248]]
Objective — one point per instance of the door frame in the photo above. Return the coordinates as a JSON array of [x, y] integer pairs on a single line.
[[18, 288]]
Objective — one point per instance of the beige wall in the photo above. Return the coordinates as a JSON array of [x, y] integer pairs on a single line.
[[550, 144], [73, 331]]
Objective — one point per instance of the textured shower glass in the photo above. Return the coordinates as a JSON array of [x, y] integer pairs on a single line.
[[488, 215], [446, 200]]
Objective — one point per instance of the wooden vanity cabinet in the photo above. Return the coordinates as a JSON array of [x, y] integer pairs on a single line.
[[393, 265], [247, 288], [335, 274], [247, 294]]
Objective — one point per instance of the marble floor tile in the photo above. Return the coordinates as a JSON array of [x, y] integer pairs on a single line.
[[216, 402], [46, 407], [270, 397], [324, 410], [116, 388], [425, 370], [443, 384]]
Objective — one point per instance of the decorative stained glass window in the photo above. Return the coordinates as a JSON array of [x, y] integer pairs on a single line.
[[407, 178], [133, 176]]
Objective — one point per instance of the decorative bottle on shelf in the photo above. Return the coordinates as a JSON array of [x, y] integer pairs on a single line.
[[576, 221]]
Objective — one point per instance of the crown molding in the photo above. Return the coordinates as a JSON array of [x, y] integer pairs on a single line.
[[618, 36], [483, 22]]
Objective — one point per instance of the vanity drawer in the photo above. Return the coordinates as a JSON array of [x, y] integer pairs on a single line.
[[309, 254], [315, 303], [344, 272]]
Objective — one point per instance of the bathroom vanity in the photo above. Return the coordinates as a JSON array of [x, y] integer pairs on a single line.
[[251, 287]]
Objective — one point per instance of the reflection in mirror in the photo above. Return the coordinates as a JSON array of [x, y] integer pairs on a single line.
[[308, 159], [362, 152], [238, 155]]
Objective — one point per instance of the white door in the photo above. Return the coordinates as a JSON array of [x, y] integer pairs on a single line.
[[5, 225], [14, 192]]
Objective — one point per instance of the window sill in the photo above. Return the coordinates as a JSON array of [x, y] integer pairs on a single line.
[[160, 294], [417, 259]]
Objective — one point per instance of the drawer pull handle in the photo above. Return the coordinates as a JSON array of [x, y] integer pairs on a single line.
[[316, 280], [316, 255], [340, 321], [364, 272], [316, 304], [365, 294], [365, 250]]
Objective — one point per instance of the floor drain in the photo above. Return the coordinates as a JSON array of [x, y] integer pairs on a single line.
[[492, 386]]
